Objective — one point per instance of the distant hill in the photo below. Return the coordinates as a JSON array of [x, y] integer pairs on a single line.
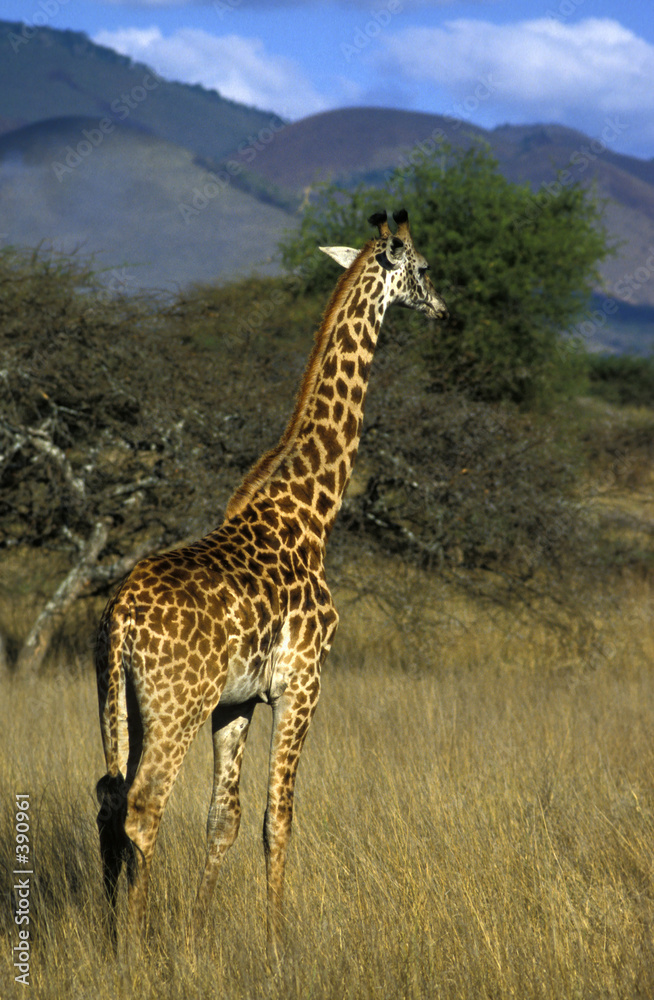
[[148, 148], [152, 215], [159, 145], [57, 73], [361, 143]]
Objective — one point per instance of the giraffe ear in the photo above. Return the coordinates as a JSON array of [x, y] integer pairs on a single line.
[[342, 255]]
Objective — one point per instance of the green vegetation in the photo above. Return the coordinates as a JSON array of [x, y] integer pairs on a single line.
[[515, 269], [622, 378]]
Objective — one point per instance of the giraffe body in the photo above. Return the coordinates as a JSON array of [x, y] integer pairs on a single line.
[[244, 615]]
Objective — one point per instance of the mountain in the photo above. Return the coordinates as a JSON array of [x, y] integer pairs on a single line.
[[147, 210], [344, 145], [51, 73], [173, 183], [99, 154]]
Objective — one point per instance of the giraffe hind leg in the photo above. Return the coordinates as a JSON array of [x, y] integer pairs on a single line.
[[115, 845], [146, 801]]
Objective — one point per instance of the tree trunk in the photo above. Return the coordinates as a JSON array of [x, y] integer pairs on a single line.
[[36, 645]]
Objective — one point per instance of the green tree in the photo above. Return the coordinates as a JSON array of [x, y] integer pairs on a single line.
[[515, 268]]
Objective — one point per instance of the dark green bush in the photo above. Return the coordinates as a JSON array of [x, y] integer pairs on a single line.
[[622, 379]]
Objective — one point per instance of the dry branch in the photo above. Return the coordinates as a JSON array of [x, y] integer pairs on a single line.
[[79, 578]]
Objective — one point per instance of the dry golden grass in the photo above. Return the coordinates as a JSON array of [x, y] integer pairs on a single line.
[[479, 825]]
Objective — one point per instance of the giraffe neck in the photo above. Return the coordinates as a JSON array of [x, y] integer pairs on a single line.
[[307, 473]]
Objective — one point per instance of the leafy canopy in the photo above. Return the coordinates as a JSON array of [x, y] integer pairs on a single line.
[[515, 268]]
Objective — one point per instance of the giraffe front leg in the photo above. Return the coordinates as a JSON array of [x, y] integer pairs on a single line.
[[230, 726], [292, 714]]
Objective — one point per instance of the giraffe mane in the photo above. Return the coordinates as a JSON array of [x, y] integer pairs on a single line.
[[263, 470]]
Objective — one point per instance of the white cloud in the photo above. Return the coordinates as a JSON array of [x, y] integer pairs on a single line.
[[573, 73], [237, 67]]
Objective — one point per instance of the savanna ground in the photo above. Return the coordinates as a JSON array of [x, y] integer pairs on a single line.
[[474, 818]]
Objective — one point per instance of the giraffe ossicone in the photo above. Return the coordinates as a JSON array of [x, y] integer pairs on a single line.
[[244, 615]]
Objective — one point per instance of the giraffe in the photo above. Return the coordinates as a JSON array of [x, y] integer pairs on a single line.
[[244, 615]]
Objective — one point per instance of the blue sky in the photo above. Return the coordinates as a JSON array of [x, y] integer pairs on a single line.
[[588, 64]]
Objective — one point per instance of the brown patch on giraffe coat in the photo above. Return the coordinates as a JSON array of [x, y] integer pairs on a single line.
[[350, 427], [328, 480], [294, 627], [346, 341], [364, 369], [286, 504], [321, 410], [330, 442], [330, 367], [302, 491], [367, 343], [267, 559], [299, 468], [263, 615], [294, 597], [324, 503], [307, 636], [353, 302], [309, 602], [357, 310], [269, 516], [310, 451], [290, 533]]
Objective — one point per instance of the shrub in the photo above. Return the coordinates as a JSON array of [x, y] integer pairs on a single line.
[[622, 379]]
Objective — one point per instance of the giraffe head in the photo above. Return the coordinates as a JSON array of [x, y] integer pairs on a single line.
[[401, 267]]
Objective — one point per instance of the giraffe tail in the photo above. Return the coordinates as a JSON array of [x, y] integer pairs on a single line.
[[112, 788]]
